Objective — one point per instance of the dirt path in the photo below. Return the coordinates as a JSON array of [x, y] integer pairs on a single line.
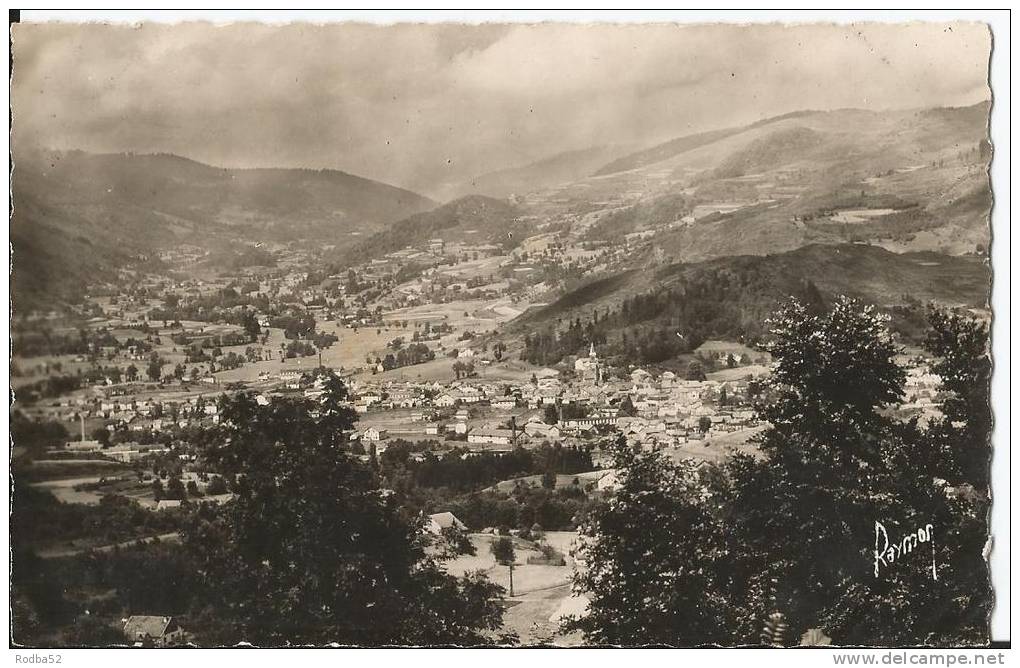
[[529, 617]]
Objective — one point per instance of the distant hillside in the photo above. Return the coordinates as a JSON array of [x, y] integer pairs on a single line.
[[730, 298], [90, 212], [471, 220], [675, 147], [272, 200], [869, 272], [663, 151], [552, 171], [55, 255], [776, 149], [907, 180]]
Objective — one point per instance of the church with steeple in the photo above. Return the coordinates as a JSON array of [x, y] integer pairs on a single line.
[[589, 368]]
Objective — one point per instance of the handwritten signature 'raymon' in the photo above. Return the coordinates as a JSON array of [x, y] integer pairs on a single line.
[[887, 552]]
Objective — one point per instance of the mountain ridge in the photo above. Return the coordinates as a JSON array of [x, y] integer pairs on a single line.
[[67, 204]]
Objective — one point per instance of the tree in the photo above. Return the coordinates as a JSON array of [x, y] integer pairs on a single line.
[[834, 462], [102, 434], [627, 406], [457, 541], [216, 486], [155, 368], [695, 371], [811, 298], [175, 490], [503, 550], [704, 424], [251, 326], [157, 489], [655, 556], [960, 347], [551, 414], [837, 470], [131, 373], [311, 550]]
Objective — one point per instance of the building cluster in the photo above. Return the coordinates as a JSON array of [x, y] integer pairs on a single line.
[[652, 411]]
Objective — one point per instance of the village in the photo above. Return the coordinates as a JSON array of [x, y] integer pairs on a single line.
[[139, 371]]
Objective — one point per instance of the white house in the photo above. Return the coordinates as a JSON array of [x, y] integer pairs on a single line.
[[440, 521], [445, 400], [542, 430], [492, 436], [375, 434], [84, 446], [153, 630]]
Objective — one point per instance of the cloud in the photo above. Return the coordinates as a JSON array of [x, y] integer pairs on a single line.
[[425, 105]]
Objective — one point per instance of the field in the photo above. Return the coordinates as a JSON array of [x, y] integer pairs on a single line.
[[738, 373], [349, 352], [64, 489], [485, 266], [469, 314], [718, 448], [540, 592], [563, 480]]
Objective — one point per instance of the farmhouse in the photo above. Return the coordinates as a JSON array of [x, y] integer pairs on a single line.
[[84, 446], [492, 436], [440, 521], [153, 631], [375, 434], [542, 430]]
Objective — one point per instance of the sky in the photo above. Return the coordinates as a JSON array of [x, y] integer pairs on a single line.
[[429, 106]]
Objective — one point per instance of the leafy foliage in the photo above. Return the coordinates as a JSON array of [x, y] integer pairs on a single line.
[[835, 463], [311, 550], [654, 556], [791, 535]]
